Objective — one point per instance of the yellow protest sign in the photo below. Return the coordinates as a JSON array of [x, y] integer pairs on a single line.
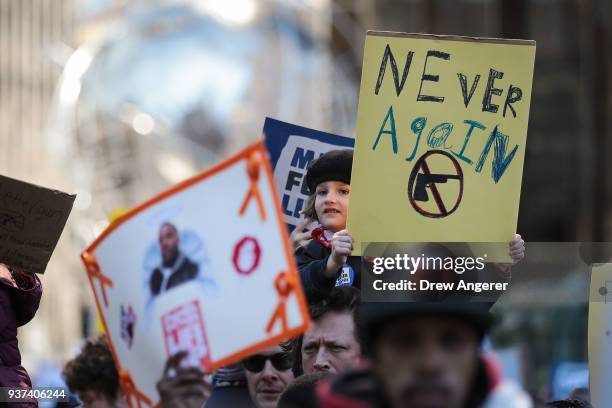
[[600, 334], [441, 133]]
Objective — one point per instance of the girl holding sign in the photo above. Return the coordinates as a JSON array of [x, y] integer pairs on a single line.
[[323, 255]]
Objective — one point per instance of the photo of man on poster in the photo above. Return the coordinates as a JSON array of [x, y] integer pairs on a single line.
[[176, 267]]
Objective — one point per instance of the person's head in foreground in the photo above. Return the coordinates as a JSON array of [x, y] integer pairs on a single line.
[[422, 355], [428, 355], [268, 373], [328, 179], [301, 392], [92, 375], [331, 344]]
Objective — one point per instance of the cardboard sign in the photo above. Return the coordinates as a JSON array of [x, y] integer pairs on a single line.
[[600, 335], [204, 267], [32, 219], [291, 149], [441, 133]]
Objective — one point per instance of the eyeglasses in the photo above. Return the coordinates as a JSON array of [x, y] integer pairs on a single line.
[[280, 361]]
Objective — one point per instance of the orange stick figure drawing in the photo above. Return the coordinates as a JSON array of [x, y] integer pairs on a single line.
[[253, 167], [130, 390], [284, 287], [93, 270]]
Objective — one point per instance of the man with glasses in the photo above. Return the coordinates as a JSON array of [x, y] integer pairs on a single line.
[[268, 373]]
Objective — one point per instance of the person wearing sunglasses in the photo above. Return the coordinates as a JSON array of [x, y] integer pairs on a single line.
[[268, 373]]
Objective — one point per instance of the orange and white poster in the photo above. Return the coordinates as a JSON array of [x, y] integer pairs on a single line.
[[204, 267]]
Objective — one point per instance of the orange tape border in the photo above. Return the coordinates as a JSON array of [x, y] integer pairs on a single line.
[[291, 266]]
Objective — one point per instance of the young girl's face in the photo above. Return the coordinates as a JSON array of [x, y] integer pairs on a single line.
[[331, 204]]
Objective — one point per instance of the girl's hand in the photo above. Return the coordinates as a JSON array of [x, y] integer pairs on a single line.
[[517, 249], [342, 246], [299, 237]]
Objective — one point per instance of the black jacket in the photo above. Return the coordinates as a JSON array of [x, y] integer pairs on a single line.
[[187, 271], [311, 261]]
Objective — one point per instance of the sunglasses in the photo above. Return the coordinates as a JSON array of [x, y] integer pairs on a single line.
[[280, 361]]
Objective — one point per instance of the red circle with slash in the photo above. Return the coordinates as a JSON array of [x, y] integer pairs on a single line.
[[422, 181]]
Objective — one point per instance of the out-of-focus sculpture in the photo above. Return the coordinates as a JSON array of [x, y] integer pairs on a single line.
[[161, 92]]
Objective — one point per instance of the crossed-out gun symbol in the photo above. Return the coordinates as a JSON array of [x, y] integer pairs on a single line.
[[428, 180]]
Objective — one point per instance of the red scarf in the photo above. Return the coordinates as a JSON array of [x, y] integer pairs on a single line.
[[318, 234]]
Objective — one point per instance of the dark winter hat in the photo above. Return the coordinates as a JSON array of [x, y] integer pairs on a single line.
[[229, 389], [374, 315], [334, 165]]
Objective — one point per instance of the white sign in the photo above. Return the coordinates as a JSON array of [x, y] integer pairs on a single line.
[[204, 267]]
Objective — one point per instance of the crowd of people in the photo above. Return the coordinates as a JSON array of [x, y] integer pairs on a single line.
[[354, 354]]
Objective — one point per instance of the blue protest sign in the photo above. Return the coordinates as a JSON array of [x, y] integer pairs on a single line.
[[291, 150]]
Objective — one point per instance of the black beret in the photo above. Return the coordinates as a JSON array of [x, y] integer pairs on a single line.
[[334, 165]]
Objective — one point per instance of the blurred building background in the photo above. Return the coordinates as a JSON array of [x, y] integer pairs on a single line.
[[115, 100]]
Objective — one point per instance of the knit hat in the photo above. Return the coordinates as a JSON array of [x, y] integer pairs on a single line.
[[374, 315], [334, 165], [229, 388]]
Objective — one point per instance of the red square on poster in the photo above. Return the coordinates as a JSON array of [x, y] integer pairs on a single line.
[[184, 330]]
